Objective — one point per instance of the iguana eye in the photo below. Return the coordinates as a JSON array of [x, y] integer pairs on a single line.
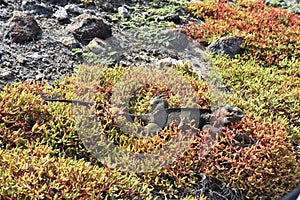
[[230, 109]]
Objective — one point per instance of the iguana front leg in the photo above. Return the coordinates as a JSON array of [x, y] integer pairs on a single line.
[[150, 130]]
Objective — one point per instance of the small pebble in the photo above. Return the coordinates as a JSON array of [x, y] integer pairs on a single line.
[[61, 14]]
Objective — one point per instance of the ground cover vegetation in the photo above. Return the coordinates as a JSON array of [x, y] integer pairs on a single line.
[[42, 156], [291, 6]]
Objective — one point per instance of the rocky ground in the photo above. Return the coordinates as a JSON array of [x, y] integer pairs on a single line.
[[36, 43], [38, 38], [36, 57]]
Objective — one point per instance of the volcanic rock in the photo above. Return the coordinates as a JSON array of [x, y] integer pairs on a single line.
[[23, 27], [87, 27], [229, 45]]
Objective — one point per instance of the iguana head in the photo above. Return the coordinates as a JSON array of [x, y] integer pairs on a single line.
[[227, 114], [223, 116]]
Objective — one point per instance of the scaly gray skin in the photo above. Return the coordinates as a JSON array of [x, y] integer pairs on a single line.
[[161, 116]]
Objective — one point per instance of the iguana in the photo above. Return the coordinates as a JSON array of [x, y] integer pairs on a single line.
[[161, 116], [204, 119]]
